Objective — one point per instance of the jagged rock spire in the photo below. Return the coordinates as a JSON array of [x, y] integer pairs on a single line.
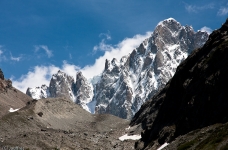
[[1, 74], [107, 64]]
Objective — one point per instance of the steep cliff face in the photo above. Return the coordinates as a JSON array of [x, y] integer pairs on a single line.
[[83, 92], [126, 84], [195, 97], [61, 85]]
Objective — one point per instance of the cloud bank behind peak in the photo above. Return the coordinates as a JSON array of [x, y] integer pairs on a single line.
[[41, 74]]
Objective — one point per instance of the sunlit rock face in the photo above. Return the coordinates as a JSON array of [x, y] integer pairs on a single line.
[[127, 83]]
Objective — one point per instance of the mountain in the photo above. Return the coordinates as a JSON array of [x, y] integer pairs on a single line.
[[126, 84], [10, 97], [63, 85], [38, 92], [194, 98]]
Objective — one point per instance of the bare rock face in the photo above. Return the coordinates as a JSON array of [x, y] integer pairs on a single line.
[[61, 85], [126, 84], [83, 92], [194, 98]]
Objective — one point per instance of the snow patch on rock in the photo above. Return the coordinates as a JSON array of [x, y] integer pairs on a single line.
[[129, 137], [163, 146], [13, 110]]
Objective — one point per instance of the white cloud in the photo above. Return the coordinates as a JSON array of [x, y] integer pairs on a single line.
[[70, 56], [15, 58], [41, 75], [206, 29], [45, 48], [70, 69], [117, 51], [2, 56], [1, 51], [223, 11], [195, 9], [102, 45], [107, 35]]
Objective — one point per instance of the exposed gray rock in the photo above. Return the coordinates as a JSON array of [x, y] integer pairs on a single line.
[[63, 85], [125, 86], [83, 91]]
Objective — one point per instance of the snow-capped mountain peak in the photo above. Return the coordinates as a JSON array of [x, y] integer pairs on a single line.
[[126, 84], [123, 88], [38, 92]]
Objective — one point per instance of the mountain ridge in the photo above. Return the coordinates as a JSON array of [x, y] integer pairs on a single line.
[[126, 84]]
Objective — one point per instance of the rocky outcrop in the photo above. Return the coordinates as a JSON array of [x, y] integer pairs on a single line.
[[61, 85], [194, 98], [1, 75], [5, 84], [83, 92]]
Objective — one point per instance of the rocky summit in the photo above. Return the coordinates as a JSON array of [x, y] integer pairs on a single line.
[[63, 85], [126, 84], [196, 97]]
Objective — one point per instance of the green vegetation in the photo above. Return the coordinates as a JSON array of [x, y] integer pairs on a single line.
[[214, 138], [187, 145], [217, 137]]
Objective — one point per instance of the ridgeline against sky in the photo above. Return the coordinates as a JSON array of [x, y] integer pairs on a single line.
[[39, 38]]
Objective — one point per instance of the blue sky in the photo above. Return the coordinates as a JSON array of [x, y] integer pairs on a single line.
[[39, 37]]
